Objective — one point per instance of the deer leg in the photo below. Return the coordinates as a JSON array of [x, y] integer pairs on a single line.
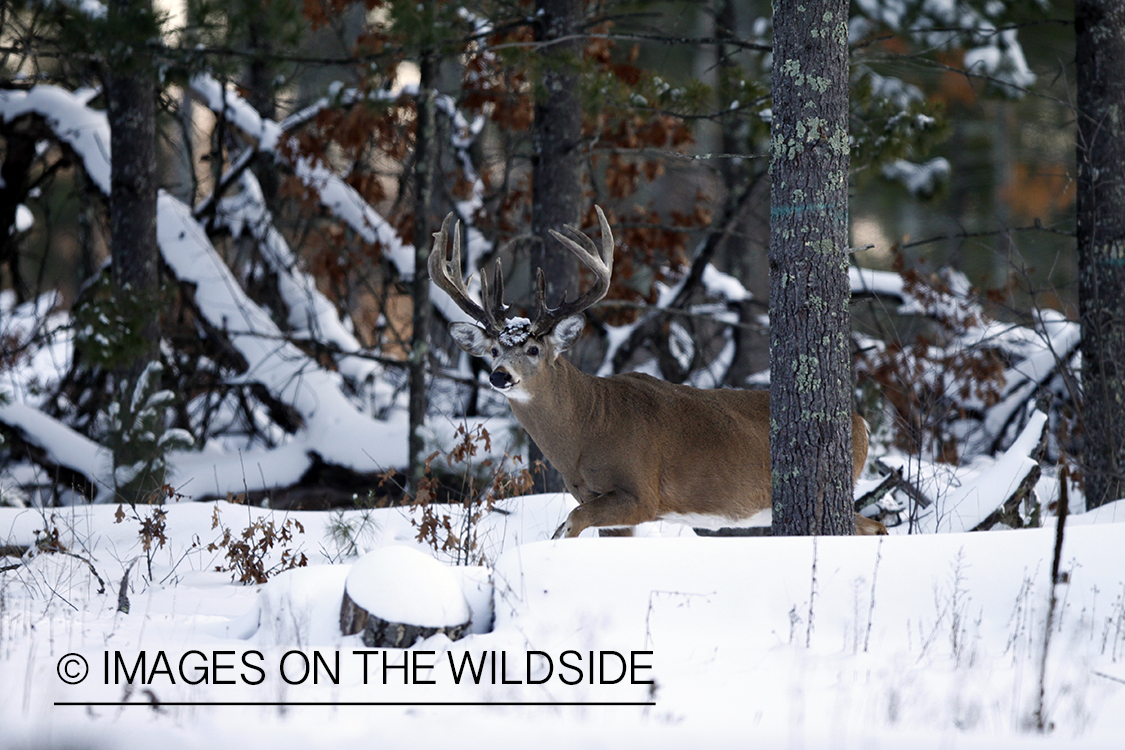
[[613, 509], [868, 526]]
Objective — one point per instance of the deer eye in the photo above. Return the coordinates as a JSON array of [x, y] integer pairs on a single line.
[[533, 350], [495, 352]]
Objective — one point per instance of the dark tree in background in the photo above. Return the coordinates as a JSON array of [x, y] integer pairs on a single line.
[[131, 98], [424, 159], [1100, 32], [810, 386], [556, 177]]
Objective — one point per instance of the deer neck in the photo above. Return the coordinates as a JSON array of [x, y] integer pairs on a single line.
[[557, 414]]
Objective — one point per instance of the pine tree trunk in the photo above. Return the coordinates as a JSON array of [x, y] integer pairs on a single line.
[[424, 159], [132, 123], [131, 112], [20, 137], [1100, 30], [261, 76], [810, 386], [556, 183]]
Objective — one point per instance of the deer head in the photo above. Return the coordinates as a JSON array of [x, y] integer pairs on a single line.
[[520, 350]]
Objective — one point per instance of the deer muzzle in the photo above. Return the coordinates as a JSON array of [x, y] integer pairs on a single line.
[[501, 379]]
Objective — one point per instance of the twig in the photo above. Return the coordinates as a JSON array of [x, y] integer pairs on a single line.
[[19, 550], [122, 592], [871, 605], [812, 597], [915, 494], [1109, 677], [1040, 718]]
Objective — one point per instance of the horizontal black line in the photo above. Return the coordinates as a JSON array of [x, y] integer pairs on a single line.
[[357, 703]]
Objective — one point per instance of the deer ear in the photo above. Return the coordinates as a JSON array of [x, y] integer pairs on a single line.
[[567, 331], [470, 338]]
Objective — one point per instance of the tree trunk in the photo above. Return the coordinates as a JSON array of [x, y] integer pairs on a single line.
[[556, 182], [424, 159], [261, 77], [1100, 30], [810, 387], [132, 123], [131, 112], [20, 137]]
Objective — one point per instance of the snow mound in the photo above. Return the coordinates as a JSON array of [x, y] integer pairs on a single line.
[[400, 584], [301, 605]]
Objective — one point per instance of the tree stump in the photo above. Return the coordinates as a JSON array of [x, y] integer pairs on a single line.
[[396, 596]]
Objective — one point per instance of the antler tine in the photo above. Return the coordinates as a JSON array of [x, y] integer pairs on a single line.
[[600, 261], [445, 270], [492, 295], [542, 312]]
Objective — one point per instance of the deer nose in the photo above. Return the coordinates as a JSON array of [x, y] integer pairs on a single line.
[[500, 379]]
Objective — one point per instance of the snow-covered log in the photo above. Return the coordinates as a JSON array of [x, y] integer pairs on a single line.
[[72, 460]]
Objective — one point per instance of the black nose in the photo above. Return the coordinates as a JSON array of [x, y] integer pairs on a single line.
[[500, 379]]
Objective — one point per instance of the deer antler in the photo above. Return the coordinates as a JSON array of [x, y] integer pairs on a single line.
[[445, 270], [598, 261]]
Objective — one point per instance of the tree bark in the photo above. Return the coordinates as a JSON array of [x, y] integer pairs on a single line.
[[20, 137], [380, 633], [131, 94], [131, 112], [424, 160], [556, 181], [1100, 42], [810, 386], [261, 85]]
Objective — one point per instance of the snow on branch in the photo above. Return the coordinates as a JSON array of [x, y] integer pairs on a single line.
[[335, 195], [334, 431], [73, 458], [333, 426], [85, 130], [311, 314], [340, 198], [945, 499]]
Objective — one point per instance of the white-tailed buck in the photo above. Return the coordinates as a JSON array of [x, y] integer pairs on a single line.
[[631, 448]]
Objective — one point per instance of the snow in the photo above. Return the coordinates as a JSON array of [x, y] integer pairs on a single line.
[[919, 179], [400, 584], [25, 220], [1003, 59], [63, 446], [724, 286], [921, 641], [871, 281], [85, 130], [332, 422], [311, 314], [516, 331]]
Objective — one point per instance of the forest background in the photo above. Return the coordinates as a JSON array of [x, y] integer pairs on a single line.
[[314, 147]]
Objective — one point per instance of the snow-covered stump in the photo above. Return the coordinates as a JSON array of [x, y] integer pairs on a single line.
[[396, 596]]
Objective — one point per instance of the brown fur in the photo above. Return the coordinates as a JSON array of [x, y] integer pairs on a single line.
[[632, 448]]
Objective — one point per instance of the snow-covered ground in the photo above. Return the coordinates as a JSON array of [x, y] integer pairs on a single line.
[[905, 641]]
